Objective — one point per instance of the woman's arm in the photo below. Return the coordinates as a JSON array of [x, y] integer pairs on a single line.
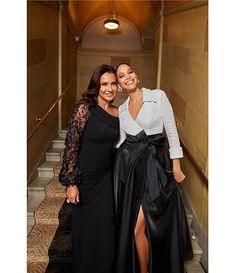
[[170, 128], [173, 139], [177, 172], [70, 174]]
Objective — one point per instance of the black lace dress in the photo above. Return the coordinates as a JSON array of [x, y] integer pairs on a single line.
[[93, 217]]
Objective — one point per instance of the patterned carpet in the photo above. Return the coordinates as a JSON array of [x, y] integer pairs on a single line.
[[49, 243], [60, 251]]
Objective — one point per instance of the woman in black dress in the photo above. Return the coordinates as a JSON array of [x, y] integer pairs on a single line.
[[153, 234], [87, 173]]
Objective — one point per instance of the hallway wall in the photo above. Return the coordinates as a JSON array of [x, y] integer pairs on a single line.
[[42, 77], [142, 62], [184, 77]]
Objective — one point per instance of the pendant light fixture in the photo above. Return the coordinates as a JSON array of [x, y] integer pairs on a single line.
[[111, 21]]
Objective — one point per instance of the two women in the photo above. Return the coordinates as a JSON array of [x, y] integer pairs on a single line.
[[152, 231], [87, 173], [153, 235]]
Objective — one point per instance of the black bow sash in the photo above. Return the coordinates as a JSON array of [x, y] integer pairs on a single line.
[[153, 162]]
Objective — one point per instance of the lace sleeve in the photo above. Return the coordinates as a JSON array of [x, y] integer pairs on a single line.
[[70, 173]]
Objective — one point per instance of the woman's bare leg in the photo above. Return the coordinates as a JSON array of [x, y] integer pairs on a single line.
[[141, 241]]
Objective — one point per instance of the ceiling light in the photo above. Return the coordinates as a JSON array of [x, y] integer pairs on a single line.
[[111, 21]]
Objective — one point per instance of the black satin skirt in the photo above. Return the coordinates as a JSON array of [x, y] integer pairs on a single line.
[[143, 177]]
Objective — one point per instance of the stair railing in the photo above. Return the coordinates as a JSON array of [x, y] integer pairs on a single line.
[[41, 120], [195, 163]]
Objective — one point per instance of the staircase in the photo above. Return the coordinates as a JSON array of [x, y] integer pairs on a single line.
[[45, 199], [194, 265]]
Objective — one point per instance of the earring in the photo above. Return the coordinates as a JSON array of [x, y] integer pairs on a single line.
[[119, 88]]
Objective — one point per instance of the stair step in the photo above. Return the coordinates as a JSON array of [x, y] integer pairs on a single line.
[[38, 243], [47, 169], [54, 154], [197, 251], [54, 188], [62, 133], [193, 267], [29, 226], [37, 186], [193, 234], [58, 142], [36, 267], [47, 212], [189, 216], [57, 169], [33, 202]]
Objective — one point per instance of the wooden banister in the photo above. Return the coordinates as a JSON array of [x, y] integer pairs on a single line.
[[47, 113], [195, 163]]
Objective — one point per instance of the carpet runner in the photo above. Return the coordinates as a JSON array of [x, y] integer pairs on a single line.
[[60, 250]]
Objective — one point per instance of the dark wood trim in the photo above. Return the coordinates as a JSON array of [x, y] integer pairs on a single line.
[[47, 113], [185, 6], [195, 163]]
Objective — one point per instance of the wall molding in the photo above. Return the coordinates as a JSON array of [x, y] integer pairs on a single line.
[[185, 7], [68, 31], [157, 23], [49, 4], [93, 51]]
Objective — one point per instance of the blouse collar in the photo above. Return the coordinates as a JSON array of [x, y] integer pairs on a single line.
[[148, 96]]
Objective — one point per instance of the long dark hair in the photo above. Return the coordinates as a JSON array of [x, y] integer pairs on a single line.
[[90, 95]]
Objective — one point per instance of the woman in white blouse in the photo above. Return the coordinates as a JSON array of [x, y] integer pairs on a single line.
[[152, 229]]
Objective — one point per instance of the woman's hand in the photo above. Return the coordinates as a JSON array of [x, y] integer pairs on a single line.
[[178, 174], [72, 193]]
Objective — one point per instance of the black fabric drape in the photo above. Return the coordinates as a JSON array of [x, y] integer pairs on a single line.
[[143, 176]]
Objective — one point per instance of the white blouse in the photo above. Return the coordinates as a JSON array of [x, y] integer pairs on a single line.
[[155, 114]]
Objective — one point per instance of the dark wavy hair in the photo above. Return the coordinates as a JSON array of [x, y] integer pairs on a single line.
[[90, 95]]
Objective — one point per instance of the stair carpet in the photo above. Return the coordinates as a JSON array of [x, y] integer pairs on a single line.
[[45, 199]]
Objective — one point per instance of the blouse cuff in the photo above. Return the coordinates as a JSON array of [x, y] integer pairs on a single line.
[[176, 153]]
